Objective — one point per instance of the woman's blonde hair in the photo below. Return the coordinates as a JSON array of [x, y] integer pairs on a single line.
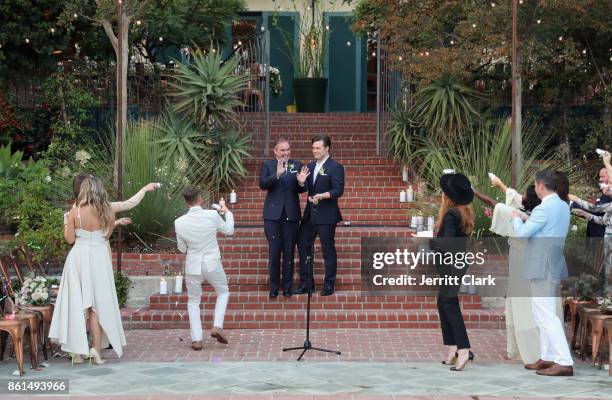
[[466, 212], [94, 194]]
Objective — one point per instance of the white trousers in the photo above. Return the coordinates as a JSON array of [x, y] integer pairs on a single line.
[[218, 280], [553, 343]]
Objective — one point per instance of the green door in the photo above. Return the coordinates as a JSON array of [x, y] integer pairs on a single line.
[[346, 62], [282, 26]]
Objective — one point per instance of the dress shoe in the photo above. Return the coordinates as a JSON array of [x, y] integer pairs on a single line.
[[287, 292], [462, 364], [273, 293], [538, 365], [557, 370], [303, 289], [327, 291], [197, 345], [218, 334]]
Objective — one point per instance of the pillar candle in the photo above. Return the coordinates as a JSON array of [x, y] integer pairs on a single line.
[[163, 286], [410, 194], [402, 196], [233, 197], [178, 284]]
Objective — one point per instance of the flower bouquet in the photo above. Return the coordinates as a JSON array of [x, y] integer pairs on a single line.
[[34, 292]]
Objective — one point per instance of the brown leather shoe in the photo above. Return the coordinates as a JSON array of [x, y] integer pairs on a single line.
[[197, 345], [540, 364], [557, 370], [218, 334]]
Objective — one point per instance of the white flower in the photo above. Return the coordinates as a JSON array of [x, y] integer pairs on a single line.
[[48, 179], [45, 296], [574, 228], [82, 157], [36, 296]]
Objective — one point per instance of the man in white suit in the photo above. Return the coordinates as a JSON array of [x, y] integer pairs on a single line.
[[546, 230], [196, 235]]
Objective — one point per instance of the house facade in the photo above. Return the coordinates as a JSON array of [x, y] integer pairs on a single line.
[[350, 62]]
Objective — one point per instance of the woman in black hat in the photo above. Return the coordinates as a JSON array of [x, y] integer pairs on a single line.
[[455, 220]]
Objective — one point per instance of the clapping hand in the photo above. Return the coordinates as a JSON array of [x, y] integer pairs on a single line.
[[606, 158], [281, 167], [304, 172]]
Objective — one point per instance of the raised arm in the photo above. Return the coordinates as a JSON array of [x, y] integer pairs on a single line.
[[484, 198], [119, 206]]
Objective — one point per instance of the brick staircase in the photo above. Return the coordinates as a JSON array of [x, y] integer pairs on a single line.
[[370, 208]]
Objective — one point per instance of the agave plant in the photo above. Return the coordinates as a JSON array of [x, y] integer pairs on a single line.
[[208, 90], [179, 138], [445, 108], [488, 149], [227, 149]]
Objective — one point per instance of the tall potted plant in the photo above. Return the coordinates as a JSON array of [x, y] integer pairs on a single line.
[[308, 58]]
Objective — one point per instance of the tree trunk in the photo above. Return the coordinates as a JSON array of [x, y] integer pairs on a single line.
[[122, 96], [517, 122]]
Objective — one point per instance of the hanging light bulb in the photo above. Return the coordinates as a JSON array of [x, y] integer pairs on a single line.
[[27, 40], [473, 25], [326, 27], [348, 43], [426, 54], [560, 38], [161, 39], [539, 21], [75, 15], [240, 43], [138, 22], [263, 28], [373, 54], [400, 58], [452, 42], [492, 4], [584, 51]]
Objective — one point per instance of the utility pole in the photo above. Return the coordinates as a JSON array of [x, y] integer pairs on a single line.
[[120, 125], [516, 99]]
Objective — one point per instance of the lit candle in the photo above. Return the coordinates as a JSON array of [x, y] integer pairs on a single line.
[[413, 221], [178, 284], [430, 223], [410, 194], [402, 196], [233, 197], [163, 286], [405, 174]]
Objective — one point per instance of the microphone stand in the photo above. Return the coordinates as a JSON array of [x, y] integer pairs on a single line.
[[310, 283]]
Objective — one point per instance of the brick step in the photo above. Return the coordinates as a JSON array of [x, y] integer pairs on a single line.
[[342, 232], [259, 282], [320, 319], [338, 301], [397, 217]]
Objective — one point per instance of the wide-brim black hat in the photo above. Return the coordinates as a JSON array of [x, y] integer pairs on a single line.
[[457, 187]]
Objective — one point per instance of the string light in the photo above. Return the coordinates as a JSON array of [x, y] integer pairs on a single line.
[[452, 42], [400, 58], [239, 43], [161, 39], [348, 43], [584, 51], [138, 22], [52, 30], [263, 28], [473, 25], [426, 54], [75, 15], [492, 4], [539, 21], [520, 1], [27, 40], [327, 27], [560, 38], [373, 54]]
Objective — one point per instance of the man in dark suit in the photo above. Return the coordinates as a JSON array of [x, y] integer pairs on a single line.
[[284, 179], [325, 183]]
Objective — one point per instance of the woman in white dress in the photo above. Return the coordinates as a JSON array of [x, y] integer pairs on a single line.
[[521, 330], [87, 289]]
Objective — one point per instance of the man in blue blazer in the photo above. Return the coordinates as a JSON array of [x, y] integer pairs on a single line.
[[325, 183], [283, 179], [546, 230]]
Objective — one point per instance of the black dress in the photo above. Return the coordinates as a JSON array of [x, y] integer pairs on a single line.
[[449, 310]]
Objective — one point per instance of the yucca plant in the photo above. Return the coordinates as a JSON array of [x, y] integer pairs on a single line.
[[404, 137], [225, 154], [179, 138], [488, 149], [208, 90], [445, 108], [144, 161]]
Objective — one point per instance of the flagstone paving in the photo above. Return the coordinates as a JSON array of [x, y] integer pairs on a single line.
[[375, 364]]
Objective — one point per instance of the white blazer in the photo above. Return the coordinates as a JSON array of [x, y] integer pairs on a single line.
[[196, 235]]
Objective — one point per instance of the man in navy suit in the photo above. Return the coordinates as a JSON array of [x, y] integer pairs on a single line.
[[325, 183], [284, 179]]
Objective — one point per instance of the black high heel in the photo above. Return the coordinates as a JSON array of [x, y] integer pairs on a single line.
[[470, 359], [452, 361]]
